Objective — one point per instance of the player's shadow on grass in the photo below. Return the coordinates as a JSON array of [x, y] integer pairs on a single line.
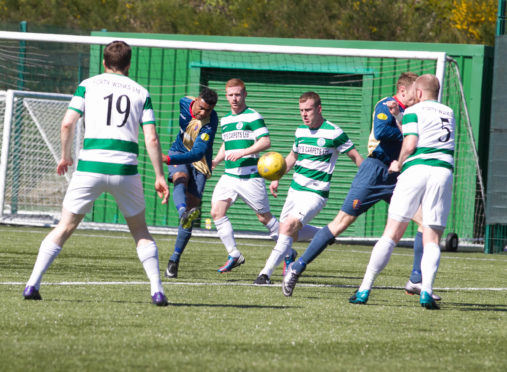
[[235, 306], [337, 277], [175, 304], [478, 307]]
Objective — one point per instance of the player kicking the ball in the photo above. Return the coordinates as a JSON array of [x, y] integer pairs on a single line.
[[114, 107]]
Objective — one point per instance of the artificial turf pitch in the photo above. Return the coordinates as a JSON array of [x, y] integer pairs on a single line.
[[96, 313]]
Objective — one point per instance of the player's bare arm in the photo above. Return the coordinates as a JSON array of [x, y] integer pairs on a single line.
[[155, 153], [290, 160], [66, 135], [220, 157], [355, 156], [407, 148]]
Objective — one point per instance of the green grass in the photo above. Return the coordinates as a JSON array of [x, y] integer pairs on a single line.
[[222, 322]]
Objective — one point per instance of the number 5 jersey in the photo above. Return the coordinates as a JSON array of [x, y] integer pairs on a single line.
[[434, 124]]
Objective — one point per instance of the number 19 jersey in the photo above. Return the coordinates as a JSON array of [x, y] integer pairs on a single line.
[[113, 107]]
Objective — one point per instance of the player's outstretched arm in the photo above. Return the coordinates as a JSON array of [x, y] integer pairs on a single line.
[[155, 153], [66, 135]]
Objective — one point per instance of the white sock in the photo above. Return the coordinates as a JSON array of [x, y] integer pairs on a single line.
[[378, 260], [148, 255], [307, 232], [273, 225], [429, 266], [226, 234], [47, 253], [282, 248]]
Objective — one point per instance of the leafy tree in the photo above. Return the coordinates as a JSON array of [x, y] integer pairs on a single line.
[[456, 21], [474, 19]]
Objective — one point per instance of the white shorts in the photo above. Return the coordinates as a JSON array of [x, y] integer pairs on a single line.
[[302, 205], [430, 187], [86, 187], [251, 190]]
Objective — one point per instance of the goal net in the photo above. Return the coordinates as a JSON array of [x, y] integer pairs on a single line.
[[30, 190], [349, 81]]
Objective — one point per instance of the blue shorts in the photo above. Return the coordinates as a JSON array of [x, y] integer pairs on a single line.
[[371, 184], [196, 179]]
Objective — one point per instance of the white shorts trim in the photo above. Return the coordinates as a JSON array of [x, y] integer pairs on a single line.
[[85, 187], [251, 190], [428, 186], [302, 205]]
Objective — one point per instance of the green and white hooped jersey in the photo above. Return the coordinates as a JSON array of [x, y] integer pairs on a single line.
[[317, 151], [114, 107], [240, 132], [434, 124]]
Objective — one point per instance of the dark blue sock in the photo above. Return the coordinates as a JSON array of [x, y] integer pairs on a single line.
[[416, 277], [317, 245], [179, 198], [181, 242]]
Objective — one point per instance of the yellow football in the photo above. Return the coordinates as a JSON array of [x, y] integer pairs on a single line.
[[271, 166]]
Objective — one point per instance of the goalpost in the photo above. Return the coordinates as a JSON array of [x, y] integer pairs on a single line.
[[350, 81]]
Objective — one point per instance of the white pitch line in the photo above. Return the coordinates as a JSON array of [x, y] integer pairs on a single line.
[[216, 241], [236, 284]]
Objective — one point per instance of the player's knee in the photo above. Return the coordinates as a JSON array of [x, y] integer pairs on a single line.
[[342, 221], [180, 177], [216, 215]]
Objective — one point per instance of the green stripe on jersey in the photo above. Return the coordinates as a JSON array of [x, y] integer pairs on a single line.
[[296, 186], [148, 105], [313, 174], [78, 111], [243, 162], [110, 144], [107, 168], [80, 91], [238, 144], [409, 118], [430, 162], [251, 175], [431, 150]]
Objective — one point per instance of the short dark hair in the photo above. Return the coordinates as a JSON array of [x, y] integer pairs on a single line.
[[310, 95], [209, 96], [117, 56]]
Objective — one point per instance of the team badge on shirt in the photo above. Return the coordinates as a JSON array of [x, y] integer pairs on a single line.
[[321, 142], [382, 116], [239, 125]]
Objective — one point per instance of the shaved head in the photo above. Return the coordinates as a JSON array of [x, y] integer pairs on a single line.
[[429, 84]]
